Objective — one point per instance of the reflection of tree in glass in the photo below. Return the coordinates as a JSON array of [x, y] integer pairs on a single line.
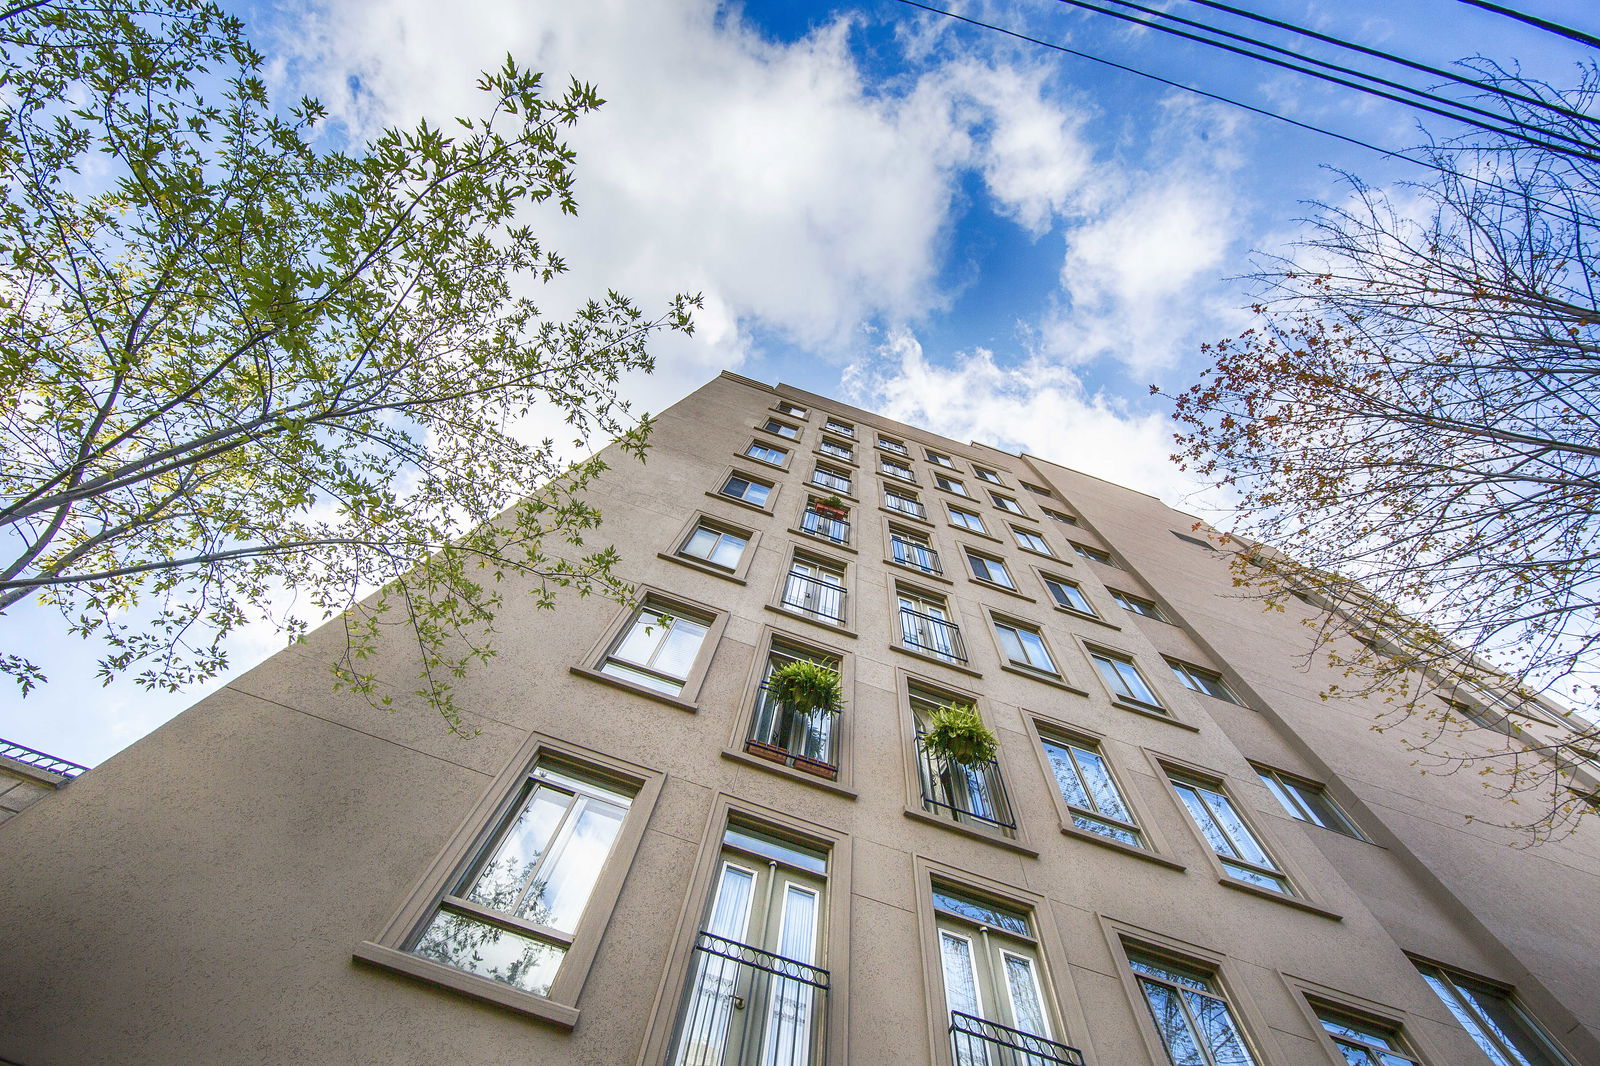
[[489, 951]]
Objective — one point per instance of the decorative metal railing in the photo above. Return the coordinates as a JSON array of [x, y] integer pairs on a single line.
[[803, 740], [834, 529], [932, 635], [964, 792], [749, 1007], [815, 596], [39, 760], [910, 553], [977, 1042]]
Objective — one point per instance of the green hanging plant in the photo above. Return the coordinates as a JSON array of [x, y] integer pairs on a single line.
[[956, 734], [806, 686]]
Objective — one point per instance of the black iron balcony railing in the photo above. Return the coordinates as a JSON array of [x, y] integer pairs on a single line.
[[783, 735], [749, 1007], [39, 760], [834, 529], [964, 792], [910, 553], [977, 1042], [933, 635], [814, 596], [904, 505]]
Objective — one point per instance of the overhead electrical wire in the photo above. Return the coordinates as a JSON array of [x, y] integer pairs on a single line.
[[1544, 24]]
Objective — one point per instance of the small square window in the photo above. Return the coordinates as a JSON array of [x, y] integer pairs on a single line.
[[658, 648], [790, 409], [1006, 503], [987, 568], [843, 429], [967, 520], [1200, 679], [1067, 594], [988, 475], [1024, 646], [767, 453], [939, 458], [1094, 555], [756, 493], [1038, 490], [1059, 516], [949, 484], [1137, 604], [1308, 802], [1030, 540], [716, 545], [1124, 679], [889, 444]]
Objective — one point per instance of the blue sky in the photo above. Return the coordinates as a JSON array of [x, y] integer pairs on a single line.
[[957, 229]]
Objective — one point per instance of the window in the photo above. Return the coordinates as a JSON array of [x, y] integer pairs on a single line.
[[1308, 802], [837, 450], [843, 429], [715, 545], [1094, 555], [823, 519], [1363, 1043], [1200, 679], [1090, 792], [1191, 1015], [1505, 1032], [967, 520], [904, 502], [756, 992], [888, 444], [815, 588], [910, 548], [1240, 851], [1124, 679], [657, 648], [1031, 541], [1067, 594], [925, 626], [988, 475], [992, 570], [1059, 516], [1192, 540], [949, 484], [739, 487], [767, 453], [782, 429], [515, 911], [994, 984], [967, 793], [1006, 503], [939, 458], [792, 410], [804, 740], [895, 468], [1024, 646], [1136, 604], [1038, 490], [830, 478]]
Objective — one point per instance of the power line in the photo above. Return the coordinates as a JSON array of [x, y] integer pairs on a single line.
[[1552, 27]]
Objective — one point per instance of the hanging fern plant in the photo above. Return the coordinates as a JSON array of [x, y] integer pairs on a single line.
[[956, 734], [806, 686]]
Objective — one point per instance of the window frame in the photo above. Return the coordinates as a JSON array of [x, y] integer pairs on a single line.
[[1037, 490], [893, 446], [1000, 501], [847, 446], [806, 552], [687, 698], [774, 490], [1047, 579], [982, 528], [1209, 964], [756, 442], [1122, 599], [1506, 993], [822, 467], [893, 528], [769, 640], [953, 485], [1100, 651], [476, 831], [699, 519], [1059, 516], [939, 458], [790, 409], [1285, 788], [898, 588], [813, 496], [990, 560], [839, 427], [1186, 672], [999, 619], [1090, 553], [1017, 535], [984, 473], [895, 488], [1173, 774], [890, 467]]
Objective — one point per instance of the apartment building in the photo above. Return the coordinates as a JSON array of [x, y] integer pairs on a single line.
[[1179, 855]]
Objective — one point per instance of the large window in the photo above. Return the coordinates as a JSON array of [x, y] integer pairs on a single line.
[[1067, 594], [815, 588], [658, 648], [927, 627], [895, 468], [1124, 679], [1308, 802], [1090, 792], [970, 793], [1024, 646], [1192, 1016], [994, 984], [910, 548], [767, 453], [513, 914], [1363, 1043], [905, 502], [831, 478], [747, 489], [716, 545], [1505, 1032], [805, 739], [1200, 679], [967, 520], [1240, 851], [757, 992], [988, 568], [1031, 541], [826, 520]]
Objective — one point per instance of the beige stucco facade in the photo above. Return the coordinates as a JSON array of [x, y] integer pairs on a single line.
[[244, 884]]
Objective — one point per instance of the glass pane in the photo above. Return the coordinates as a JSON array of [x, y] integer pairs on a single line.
[[980, 912], [677, 653], [1353, 1055], [793, 1003], [1169, 971], [1249, 849], [1217, 1030], [1282, 794], [960, 982], [499, 884], [1272, 882], [1503, 1020], [702, 544], [1027, 1011], [1097, 777], [568, 877], [644, 635], [1066, 774], [641, 678], [1094, 825], [1011, 643], [1183, 1048], [1204, 820], [791, 854], [730, 912], [1133, 682], [489, 951], [728, 550], [1036, 653]]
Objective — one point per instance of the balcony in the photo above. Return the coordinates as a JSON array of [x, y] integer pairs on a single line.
[[976, 1042], [819, 525], [782, 735], [832, 482], [39, 760], [749, 1007], [815, 596], [932, 636], [919, 556], [964, 793]]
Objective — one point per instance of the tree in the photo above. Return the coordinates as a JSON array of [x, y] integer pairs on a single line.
[[1414, 426], [239, 371]]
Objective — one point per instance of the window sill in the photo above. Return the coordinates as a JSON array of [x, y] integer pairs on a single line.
[[1040, 676], [831, 627], [1158, 713], [788, 772], [466, 984], [725, 498], [1001, 588], [780, 436], [1038, 554], [918, 571], [985, 835], [903, 516], [826, 458], [923, 656], [1096, 619], [704, 568], [954, 493], [1116, 845], [783, 466], [1278, 897], [637, 690], [797, 531], [969, 531]]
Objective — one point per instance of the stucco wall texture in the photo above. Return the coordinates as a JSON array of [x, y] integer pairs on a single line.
[[202, 896]]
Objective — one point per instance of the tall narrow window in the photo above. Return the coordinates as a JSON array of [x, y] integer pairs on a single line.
[[1090, 792], [1241, 852], [910, 548], [1194, 1019], [972, 793], [994, 984], [967, 520], [987, 568], [1308, 802], [1024, 646], [514, 912], [804, 738], [658, 648], [1200, 679], [826, 520], [926, 626], [1364, 1043], [896, 499], [815, 588], [1505, 1032], [716, 545], [757, 992], [1067, 594], [1124, 679]]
